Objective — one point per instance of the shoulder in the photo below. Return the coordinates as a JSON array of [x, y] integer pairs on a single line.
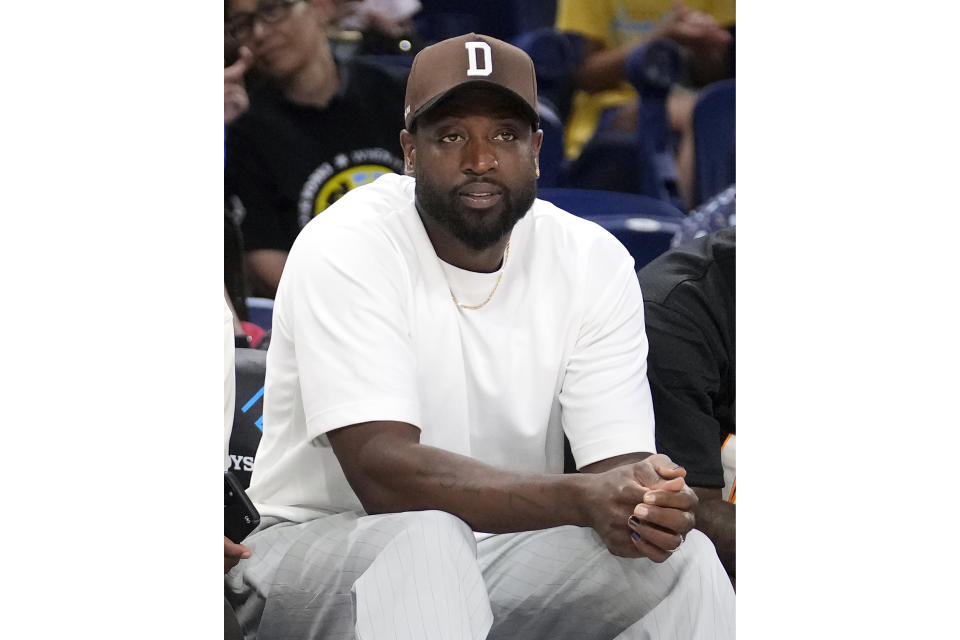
[[708, 263], [581, 233], [369, 214], [577, 241]]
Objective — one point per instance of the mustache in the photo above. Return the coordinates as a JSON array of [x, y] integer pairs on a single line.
[[496, 183]]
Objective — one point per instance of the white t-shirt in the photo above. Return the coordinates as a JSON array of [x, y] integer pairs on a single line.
[[364, 328]]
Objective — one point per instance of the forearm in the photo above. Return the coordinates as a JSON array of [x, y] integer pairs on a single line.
[[416, 477], [602, 70], [264, 268], [718, 520]]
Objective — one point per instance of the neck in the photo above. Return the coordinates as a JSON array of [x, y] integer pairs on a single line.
[[452, 251], [315, 83]]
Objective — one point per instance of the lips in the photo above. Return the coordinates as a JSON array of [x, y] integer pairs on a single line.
[[480, 195]]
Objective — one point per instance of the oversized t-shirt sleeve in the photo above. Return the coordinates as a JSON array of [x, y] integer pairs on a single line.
[[348, 292], [684, 378], [605, 402]]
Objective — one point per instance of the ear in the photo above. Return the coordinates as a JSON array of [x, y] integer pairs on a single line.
[[409, 146], [537, 142]]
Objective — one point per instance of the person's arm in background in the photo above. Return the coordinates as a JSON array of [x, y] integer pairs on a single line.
[[264, 268], [685, 377], [603, 67], [717, 518], [238, 330]]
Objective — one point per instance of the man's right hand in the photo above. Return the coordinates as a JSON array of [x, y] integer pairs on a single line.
[[235, 99], [652, 491], [693, 29]]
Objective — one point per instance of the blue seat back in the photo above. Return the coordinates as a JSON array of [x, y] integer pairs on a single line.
[[551, 151], [652, 69], [260, 312], [555, 56], [714, 130], [503, 19]]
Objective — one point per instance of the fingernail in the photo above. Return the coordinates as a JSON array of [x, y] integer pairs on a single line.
[[641, 511], [649, 498], [635, 536], [634, 521]]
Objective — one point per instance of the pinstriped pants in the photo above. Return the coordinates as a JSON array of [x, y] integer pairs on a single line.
[[423, 576]]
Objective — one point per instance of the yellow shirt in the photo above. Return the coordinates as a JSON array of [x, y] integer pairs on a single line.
[[617, 23]]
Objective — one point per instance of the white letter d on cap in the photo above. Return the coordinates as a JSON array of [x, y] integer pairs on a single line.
[[475, 70]]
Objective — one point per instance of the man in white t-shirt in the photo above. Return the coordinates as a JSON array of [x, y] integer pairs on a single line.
[[435, 335]]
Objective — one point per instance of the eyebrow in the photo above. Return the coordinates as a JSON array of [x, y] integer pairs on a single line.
[[455, 114]]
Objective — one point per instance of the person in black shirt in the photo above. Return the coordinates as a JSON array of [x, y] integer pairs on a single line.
[[315, 129], [689, 299]]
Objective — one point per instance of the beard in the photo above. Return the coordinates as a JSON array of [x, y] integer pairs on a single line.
[[475, 230]]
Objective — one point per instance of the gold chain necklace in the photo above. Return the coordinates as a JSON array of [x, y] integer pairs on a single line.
[[506, 254]]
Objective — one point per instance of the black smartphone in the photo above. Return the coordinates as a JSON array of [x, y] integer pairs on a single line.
[[240, 517]]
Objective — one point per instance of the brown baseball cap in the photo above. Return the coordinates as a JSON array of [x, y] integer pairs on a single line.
[[465, 60]]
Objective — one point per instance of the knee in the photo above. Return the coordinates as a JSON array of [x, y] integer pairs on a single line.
[[697, 547], [440, 523], [436, 534]]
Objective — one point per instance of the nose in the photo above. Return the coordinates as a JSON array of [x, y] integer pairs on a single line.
[[479, 157], [257, 27]]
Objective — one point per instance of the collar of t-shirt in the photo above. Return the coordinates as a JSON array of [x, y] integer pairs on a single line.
[[470, 287]]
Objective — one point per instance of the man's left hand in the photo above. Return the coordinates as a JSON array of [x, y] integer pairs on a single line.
[[663, 519]]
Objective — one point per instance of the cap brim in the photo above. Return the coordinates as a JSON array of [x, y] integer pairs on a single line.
[[524, 106]]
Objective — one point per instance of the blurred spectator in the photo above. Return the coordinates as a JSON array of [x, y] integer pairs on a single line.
[[235, 102], [315, 129], [387, 25], [689, 299], [613, 28]]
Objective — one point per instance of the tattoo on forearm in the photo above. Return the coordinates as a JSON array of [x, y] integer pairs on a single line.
[[448, 480], [523, 503]]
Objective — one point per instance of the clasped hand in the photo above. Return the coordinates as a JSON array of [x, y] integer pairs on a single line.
[[643, 509]]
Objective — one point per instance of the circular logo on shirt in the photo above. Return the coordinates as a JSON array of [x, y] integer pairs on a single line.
[[338, 185], [332, 180]]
